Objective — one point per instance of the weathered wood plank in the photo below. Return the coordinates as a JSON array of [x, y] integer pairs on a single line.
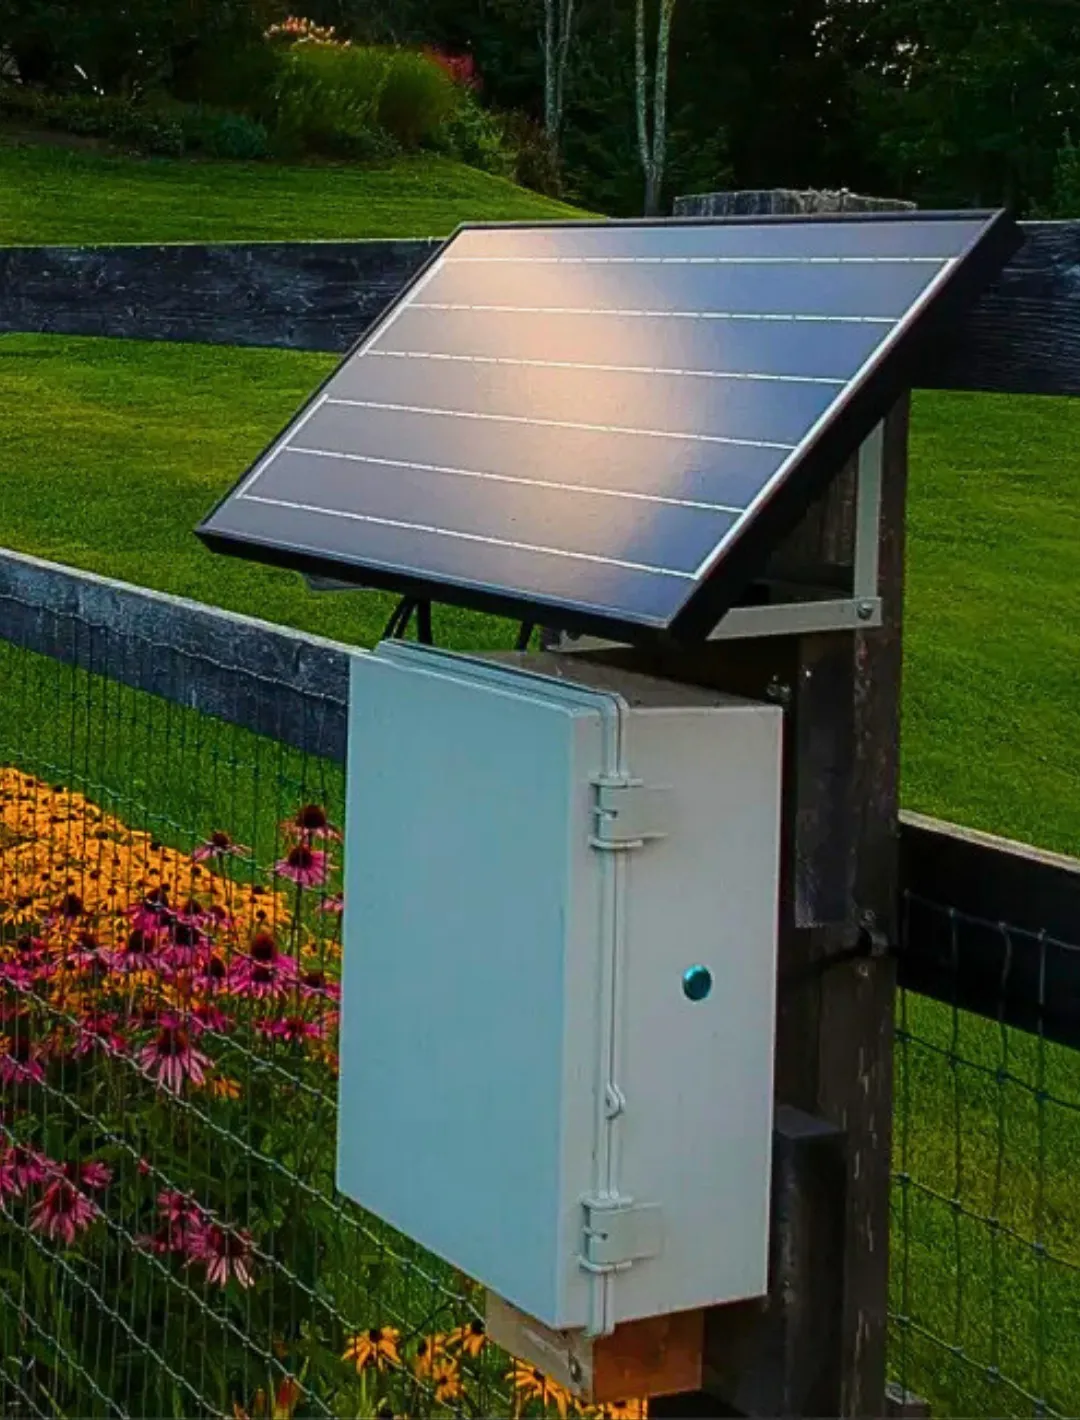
[[268, 679], [991, 927], [1023, 336], [296, 295]]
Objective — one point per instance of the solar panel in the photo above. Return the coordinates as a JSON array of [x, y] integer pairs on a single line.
[[605, 426]]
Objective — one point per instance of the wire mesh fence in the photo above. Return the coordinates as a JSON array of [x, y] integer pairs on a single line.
[[985, 1305], [171, 1242]]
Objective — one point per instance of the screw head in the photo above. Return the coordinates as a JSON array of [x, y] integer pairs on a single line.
[[864, 611]]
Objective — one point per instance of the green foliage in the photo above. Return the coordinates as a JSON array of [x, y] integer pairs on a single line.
[[1065, 194], [221, 134], [130, 47], [536, 164], [416, 100], [475, 135], [325, 99], [359, 101], [128, 125]]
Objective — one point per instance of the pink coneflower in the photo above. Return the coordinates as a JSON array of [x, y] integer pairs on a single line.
[[170, 1057], [334, 904], [20, 1168], [99, 1032], [291, 1029], [219, 845], [212, 975], [140, 952], [206, 1016], [264, 971], [153, 913], [308, 867], [95, 1174], [310, 824], [315, 982], [225, 1253], [20, 978], [186, 944], [182, 1221], [64, 1212], [20, 1056]]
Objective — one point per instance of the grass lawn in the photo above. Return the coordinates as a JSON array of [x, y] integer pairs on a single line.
[[55, 194]]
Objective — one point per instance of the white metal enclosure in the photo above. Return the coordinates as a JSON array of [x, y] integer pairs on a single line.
[[536, 1083]]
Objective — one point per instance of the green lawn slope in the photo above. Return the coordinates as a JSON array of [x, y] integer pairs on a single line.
[[57, 194]]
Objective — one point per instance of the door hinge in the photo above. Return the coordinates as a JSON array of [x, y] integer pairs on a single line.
[[618, 1233], [626, 813]]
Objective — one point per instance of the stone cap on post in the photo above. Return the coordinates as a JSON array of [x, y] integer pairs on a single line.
[[782, 202]]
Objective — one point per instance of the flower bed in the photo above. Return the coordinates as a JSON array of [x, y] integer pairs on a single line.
[[168, 1035]]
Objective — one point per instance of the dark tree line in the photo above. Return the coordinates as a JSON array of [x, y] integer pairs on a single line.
[[950, 102]]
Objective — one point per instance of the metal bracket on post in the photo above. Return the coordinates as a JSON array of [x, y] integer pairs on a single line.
[[858, 612]]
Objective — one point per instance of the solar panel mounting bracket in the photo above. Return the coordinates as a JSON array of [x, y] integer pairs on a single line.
[[859, 612]]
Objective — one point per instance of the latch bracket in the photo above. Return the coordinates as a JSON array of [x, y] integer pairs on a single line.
[[618, 1232], [627, 813]]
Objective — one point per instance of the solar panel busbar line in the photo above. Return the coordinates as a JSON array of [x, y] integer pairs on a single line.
[[607, 426]]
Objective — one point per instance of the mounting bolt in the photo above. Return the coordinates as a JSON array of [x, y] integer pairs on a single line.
[[779, 692], [864, 611]]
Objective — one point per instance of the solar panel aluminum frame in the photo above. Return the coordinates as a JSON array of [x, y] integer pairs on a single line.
[[887, 375]]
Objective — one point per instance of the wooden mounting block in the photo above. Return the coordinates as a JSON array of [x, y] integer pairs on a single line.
[[660, 1355]]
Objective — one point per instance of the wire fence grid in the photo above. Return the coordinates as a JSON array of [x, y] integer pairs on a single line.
[[171, 1241], [985, 1297]]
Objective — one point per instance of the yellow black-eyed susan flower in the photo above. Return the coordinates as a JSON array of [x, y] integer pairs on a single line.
[[531, 1384], [470, 1337], [447, 1380], [378, 1347]]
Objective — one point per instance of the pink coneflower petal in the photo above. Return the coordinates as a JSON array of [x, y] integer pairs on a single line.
[[21, 1168], [140, 952], [225, 1253], [99, 1032], [95, 1174], [63, 1212], [218, 845], [315, 983], [20, 1059], [307, 867], [291, 1029], [205, 1016], [170, 1058], [264, 971], [311, 824], [333, 904]]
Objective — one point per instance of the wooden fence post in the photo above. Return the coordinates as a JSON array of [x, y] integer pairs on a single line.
[[835, 1017]]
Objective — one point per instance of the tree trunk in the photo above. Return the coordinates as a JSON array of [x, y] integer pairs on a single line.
[[652, 128]]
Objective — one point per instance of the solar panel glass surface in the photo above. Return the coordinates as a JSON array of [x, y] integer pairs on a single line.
[[588, 423]]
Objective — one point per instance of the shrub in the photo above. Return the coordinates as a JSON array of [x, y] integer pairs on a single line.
[[130, 125], [221, 134], [1065, 201], [418, 98], [536, 160], [474, 135], [326, 100]]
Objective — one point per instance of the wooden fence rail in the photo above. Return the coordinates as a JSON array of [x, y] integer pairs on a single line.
[[1022, 338]]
